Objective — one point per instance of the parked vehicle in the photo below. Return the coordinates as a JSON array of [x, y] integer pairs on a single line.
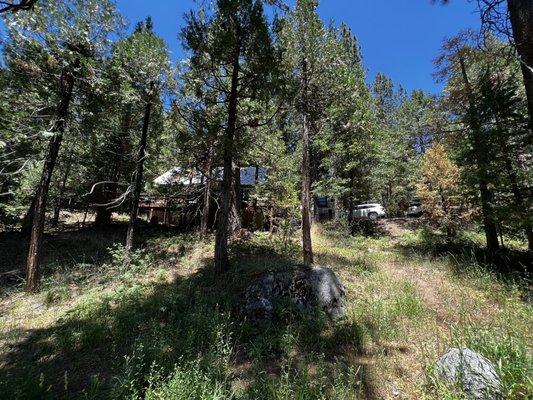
[[414, 209], [369, 210]]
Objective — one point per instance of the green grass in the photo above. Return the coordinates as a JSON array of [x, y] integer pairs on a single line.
[[158, 324]]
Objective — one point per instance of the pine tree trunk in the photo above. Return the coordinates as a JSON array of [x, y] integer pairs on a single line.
[[489, 223], [306, 179], [137, 185], [222, 235], [39, 204], [350, 204], [204, 223], [306, 199], [521, 15]]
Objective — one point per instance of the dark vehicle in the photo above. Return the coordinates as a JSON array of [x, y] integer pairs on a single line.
[[415, 209]]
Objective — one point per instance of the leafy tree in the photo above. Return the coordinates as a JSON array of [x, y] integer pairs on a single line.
[[407, 125], [303, 38], [513, 19], [142, 63], [440, 190], [233, 54], [489, 132], [504, 111], [457, 56], [348, 143], [521, 16], [57, 42]]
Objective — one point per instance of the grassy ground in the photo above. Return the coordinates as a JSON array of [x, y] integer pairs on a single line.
[[159, 325]]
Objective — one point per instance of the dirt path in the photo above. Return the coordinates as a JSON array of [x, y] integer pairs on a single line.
[[430, 283], [436, 293]]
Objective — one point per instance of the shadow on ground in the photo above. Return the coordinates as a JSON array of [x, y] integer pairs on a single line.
[[122, 343], [468, 255], [66, 248]]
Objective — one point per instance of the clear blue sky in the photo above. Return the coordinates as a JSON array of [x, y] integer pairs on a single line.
[[398, 37]]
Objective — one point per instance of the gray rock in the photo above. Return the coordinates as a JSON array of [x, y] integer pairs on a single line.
[[473, 372], [306, 288]]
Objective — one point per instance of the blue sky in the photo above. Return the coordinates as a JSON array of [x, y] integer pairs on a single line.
[[398, 37]]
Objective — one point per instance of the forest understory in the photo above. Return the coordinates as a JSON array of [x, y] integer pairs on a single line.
[[158, 173], [158, 324]]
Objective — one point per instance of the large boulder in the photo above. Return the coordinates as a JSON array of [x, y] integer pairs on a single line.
[[473, 372], [308, 289]]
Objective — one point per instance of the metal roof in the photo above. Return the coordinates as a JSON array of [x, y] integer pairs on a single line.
[[177, 176]]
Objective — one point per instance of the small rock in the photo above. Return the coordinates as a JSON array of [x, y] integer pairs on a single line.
[[306, 288], [476, 375]]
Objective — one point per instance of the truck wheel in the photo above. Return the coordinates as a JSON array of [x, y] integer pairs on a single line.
[[373, 216]]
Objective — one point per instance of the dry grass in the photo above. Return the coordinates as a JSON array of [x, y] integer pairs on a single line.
[[404, 311]]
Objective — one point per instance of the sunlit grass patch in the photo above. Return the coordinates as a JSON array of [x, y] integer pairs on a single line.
[[384, 306]]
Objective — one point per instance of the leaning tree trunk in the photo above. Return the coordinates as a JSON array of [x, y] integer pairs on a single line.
[[137, 185], [521, 14], [489, 223], [221, 238], [306, 180], [39, 203]]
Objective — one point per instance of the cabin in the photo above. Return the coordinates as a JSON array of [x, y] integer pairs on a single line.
[[185, 190]]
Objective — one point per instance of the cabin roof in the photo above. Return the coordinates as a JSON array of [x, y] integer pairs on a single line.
[[179, 176]]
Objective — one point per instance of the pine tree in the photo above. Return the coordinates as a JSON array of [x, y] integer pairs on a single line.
[[76, 34], [456, 63], [233, 54]]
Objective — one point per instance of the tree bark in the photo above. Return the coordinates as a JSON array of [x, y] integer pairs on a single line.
[[272, 219], [137, 185], [39, 205], [222, 264], [489, 223], [204, 223], [307, 244], [521, 15], [351, 204]]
